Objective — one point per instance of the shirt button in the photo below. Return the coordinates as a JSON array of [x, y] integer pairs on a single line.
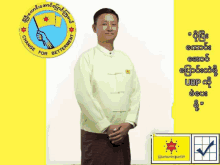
[[110, 53]]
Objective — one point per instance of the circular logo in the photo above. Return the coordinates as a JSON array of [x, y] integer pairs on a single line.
[[47, 29]]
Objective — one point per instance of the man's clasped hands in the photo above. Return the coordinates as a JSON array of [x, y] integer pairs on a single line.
[[117, 136]]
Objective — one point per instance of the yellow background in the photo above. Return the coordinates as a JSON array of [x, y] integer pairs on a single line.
[[23, 92], [190, 16]]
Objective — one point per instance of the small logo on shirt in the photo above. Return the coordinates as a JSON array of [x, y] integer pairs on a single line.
[[127, 71]]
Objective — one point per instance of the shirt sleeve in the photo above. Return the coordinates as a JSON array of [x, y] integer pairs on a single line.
[[104, 130], [132, 123], [134, 99], [83, 92]]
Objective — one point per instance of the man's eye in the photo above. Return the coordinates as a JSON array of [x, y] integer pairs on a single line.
[[113, 24], [104, 24]]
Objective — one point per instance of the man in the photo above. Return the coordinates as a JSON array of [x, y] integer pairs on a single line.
[[108, 92]]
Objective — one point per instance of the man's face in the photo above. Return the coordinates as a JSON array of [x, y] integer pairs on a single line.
[[107, 27]]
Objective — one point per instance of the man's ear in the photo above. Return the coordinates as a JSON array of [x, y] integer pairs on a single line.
[[94, 28]]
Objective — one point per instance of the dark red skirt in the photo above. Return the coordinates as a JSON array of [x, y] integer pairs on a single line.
[[96, 149]]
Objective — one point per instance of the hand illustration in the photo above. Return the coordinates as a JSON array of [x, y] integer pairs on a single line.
[[41, 36]]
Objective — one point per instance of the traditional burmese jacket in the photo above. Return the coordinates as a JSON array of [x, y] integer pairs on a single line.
[[107, 89]]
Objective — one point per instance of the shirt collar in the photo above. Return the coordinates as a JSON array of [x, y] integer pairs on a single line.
[[106, 51]]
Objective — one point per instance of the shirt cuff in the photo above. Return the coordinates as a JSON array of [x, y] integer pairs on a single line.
[[130, 123], [103, 124], [104, 130]]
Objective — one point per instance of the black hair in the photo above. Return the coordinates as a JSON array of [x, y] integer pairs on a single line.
[[102, 11]]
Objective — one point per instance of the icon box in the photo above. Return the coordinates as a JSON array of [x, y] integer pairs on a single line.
[[170, 148]]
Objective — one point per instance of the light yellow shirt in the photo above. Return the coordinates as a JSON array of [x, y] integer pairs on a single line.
[[107, 89]]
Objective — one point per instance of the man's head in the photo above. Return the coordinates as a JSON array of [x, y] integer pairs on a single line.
[[106, 24]]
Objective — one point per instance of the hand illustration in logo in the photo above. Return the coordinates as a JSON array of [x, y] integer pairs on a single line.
[[41, 36]]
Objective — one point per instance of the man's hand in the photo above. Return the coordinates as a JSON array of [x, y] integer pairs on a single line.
[[111, 129], [118, 136]]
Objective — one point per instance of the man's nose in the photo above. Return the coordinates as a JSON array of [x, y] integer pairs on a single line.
[[109, 27]]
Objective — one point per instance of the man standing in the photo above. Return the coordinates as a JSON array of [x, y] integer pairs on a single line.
[[108, 92]]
